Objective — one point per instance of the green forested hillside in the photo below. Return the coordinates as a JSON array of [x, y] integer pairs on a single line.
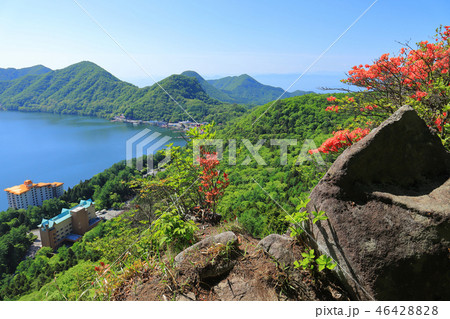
[[209, 89], [241, 89], [12, 73], [87, 89], [298, 118], [245, 89]]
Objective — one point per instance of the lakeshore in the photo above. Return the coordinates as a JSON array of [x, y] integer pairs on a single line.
[[65, 148], [181, 126]]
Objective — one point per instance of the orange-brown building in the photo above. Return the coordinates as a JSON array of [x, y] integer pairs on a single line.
[[32, 194], [70, 225]]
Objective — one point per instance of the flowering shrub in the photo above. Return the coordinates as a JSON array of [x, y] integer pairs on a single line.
[[213, 182], [416, 76], [410, 75], [440, 121], [341, 139]]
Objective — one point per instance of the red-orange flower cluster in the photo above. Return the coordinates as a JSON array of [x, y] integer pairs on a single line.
[[213, 184], [334, 108], [440, 121], [370, 107], [411, 69], [417, 76], [103, 267], [341, 139]]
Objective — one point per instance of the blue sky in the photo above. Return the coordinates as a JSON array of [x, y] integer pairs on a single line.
[[273, 41]]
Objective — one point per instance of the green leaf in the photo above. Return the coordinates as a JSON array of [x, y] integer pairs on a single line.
[[331, 266], [319, 216]]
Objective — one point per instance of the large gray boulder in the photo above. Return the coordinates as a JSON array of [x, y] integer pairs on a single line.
[[387, 198], [278, 247], [222, 238], [211, 257]]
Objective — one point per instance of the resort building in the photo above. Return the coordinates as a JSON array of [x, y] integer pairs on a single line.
[[30, 194], [70, 225]]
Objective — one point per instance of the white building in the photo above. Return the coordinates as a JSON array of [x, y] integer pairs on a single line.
[[29, 194]]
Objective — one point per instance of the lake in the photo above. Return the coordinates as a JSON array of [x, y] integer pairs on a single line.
[[48, 147]]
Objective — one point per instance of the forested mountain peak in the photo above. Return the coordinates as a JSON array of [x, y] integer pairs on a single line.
[[88, 69], [209, 89], [241, 89], [193, 74], [187, 86], [231, 83], [12, 73]]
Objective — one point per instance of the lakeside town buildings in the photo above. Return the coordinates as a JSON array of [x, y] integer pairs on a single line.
[[182, 125]]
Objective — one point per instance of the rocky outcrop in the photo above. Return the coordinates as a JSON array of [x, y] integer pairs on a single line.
[[387, 198], [244, 289], [223, 238], [278, 247], [254, 275], [209, 258]]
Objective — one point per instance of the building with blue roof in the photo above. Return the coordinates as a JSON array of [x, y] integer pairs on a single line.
[[70, 225]]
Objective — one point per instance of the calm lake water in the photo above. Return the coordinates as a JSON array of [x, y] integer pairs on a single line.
[[61, 148]]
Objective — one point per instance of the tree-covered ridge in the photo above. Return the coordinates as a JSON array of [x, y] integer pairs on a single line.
[[210, 89], [241, 89], [12, 73], [87, 89], [298, 117]]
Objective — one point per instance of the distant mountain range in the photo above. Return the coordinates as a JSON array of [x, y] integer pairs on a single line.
[[242, 89], [85, 88], [11, 73]]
